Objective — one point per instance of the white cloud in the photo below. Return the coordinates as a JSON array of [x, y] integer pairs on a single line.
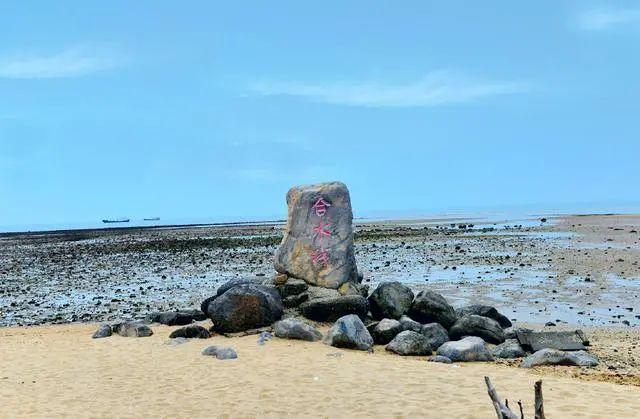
[[72, 62], [436, 88], [601, 19]]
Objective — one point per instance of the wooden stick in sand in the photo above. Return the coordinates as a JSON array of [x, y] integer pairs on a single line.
[[502, 409]]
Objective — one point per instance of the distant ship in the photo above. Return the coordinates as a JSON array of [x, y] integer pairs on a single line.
[[152, 219], [116, 220]]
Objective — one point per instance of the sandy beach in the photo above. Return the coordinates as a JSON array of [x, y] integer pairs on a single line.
[[59, 371], [55, 288]]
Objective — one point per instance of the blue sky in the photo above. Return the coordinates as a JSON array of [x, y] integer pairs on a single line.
[[214, 109]]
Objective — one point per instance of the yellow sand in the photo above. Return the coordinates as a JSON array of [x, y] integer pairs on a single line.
[[60, 371]]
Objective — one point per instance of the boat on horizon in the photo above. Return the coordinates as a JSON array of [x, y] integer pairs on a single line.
[[116, 220], [151, 219]]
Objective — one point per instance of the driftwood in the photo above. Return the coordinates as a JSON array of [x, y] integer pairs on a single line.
[[502, 409]]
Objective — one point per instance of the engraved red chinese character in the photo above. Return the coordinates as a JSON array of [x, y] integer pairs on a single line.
[[320, 256], [322, 230], [321, 207]]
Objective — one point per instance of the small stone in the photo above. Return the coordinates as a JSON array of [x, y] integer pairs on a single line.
[[439, 358], [103, 331], [296, 329], [191, 331], [220, 352]]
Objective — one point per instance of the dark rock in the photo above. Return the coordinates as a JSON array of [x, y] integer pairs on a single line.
[[235, 282], [485, 311], [295, 300], [556, 357], [564, 341], [409, 343], [436, 334], [429, 307], [409, 324], [439, 358], [390, 300], [308, 206], [220, 352], [509, 349], [332, 308], [292, 287], [349, 332], [204, 306], [354, 288], [385, 330], [176, 318], [132, 329], [473, 325], [512, 332], [191, 331], [296, 329], [104, 331], [245, 307], [471, 348]]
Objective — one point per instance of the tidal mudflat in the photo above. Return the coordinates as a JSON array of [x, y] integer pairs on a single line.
[[580, 270]]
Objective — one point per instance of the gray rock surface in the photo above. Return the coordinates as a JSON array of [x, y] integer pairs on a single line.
[[349, 332], [245, 307], [556, 357], [220, 352], [132, 329], [190, 331], [409, 343], [430, 307], [176, 318], [485, 311], [435, 333], [410, 324], [471, 348], [104, 331], [326, 206], [390, 300], [473, 325], [292, 287], [509, 349], [293, 301], [332, 308], [512, 332], [353, 288], [385, 330], [296, 329], [439, 358], [564, 341]]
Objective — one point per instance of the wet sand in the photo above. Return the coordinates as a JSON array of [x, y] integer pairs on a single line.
[[57, 371]]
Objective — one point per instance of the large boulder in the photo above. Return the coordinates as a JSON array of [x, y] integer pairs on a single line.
[[471, 348], [385, 330], [436, 334], [509, 349], [296, 329], [349, 332], [318, 241], [238, 281], [409, 343], [550, 356], [472, 325], [390, 300], [485, 311], [430, 307], [329, 309], [245, 307]]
